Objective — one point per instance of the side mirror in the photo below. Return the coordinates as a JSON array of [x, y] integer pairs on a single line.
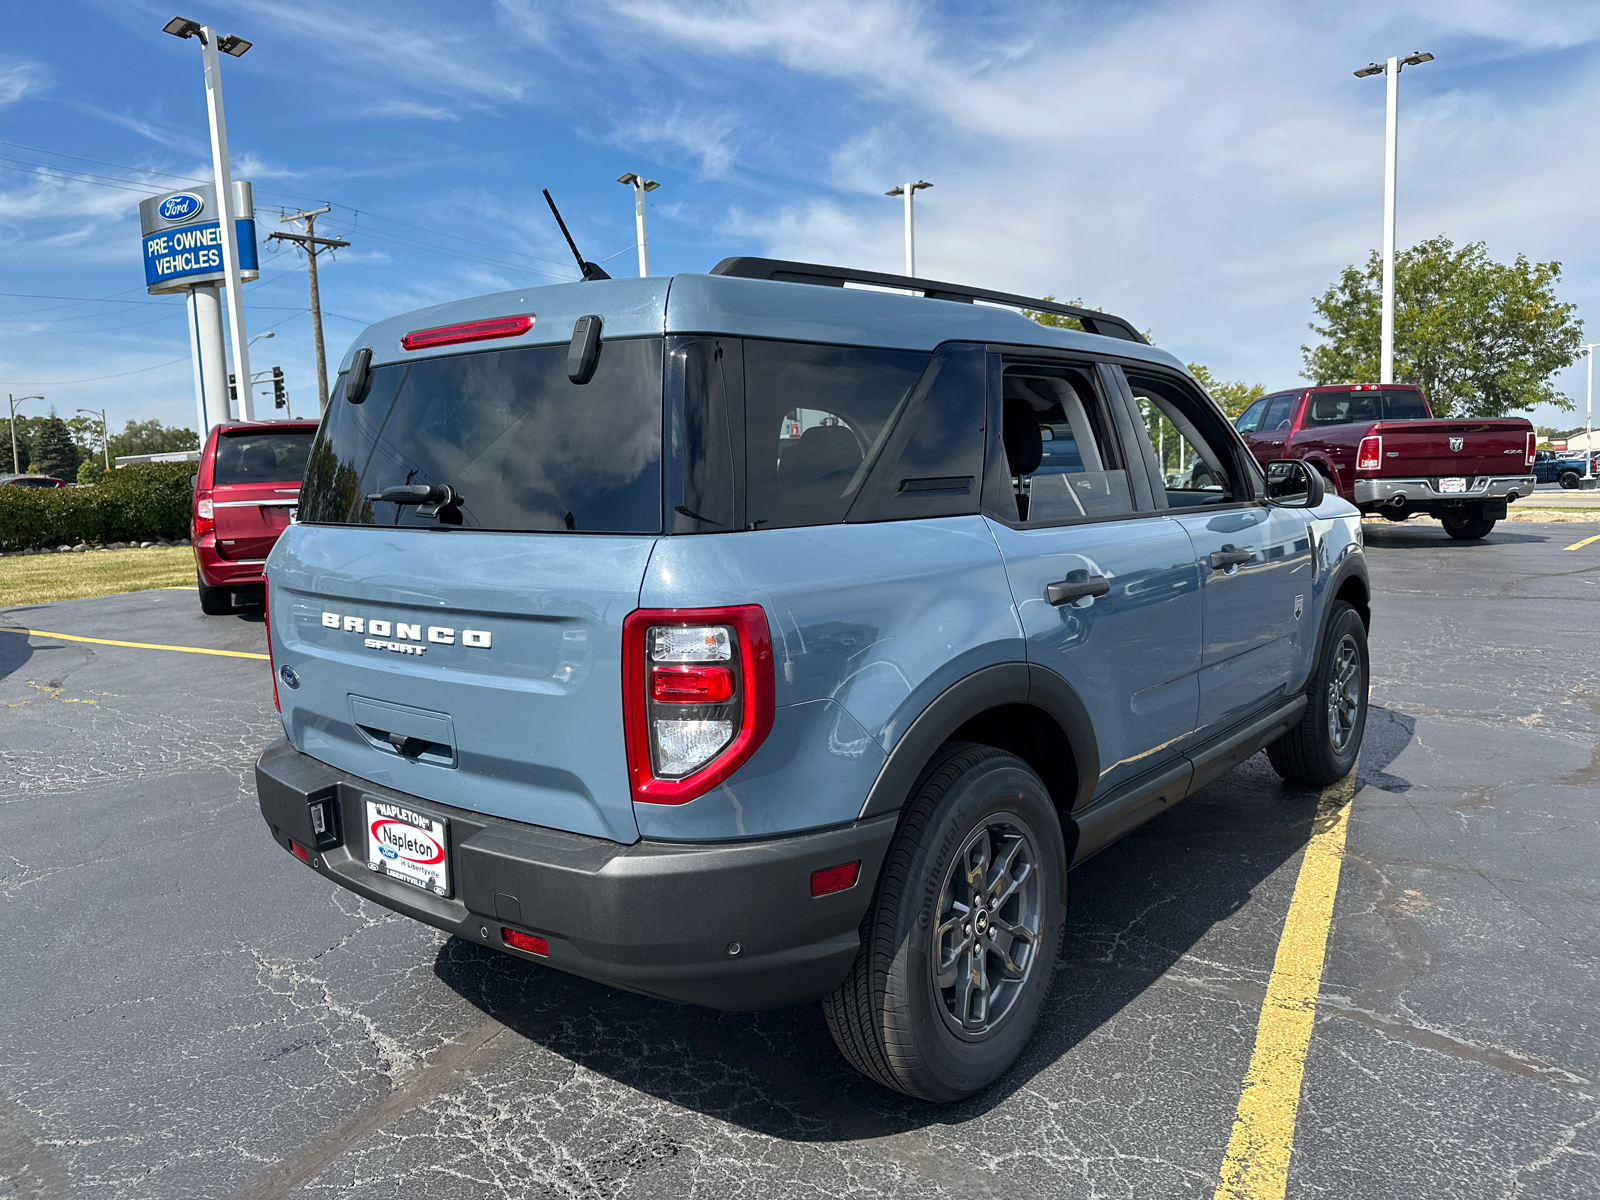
[[355, 380], [1293, 483], [194, 482]]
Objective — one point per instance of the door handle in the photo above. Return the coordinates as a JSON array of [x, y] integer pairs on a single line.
[[1227, 557], [1067, 591]]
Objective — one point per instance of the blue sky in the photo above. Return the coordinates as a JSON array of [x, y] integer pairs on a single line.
[[1202, 168]]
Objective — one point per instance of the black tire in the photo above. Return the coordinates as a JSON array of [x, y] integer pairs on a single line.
[[1569, 480], [1323, 747], [214, 601], [1468, 524], [890, 1017]]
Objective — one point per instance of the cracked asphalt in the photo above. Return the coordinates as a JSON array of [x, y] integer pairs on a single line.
[[189, 1012]]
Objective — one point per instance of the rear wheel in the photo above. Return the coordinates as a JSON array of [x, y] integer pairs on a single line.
[[214, 601], [1322, 748], [957, 949], [1569, 479], [1467, 524]]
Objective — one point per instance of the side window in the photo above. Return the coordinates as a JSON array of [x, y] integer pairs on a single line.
[[1189, 442], [1279, 413], [815, 418], [1251, 417], [1061, 448]]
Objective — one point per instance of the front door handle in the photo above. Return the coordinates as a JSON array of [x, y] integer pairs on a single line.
[[1067, 591], [1227, 557]]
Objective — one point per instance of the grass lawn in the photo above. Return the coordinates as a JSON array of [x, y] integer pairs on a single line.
[[41, 578]]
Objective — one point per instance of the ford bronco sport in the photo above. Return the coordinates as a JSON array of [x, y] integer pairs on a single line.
[[746, 639]]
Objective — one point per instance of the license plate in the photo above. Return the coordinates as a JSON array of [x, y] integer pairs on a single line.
[[294, 515], [1453, 485], [408, 845]]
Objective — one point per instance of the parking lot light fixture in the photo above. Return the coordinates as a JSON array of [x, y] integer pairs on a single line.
[[909, 191], [15, 404], [1392, 69], [1588, 416], [105, 433], [641, 185]]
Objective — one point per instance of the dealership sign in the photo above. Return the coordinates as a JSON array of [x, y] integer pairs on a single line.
[[182, 234]]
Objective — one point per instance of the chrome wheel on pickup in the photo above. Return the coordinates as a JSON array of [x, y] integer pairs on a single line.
[[957, 948]]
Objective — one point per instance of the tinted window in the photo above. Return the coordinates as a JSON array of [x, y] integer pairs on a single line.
[[815, 417], [1404, 406], [707, 372], [1340, 408], [521, 445], [1251, 417], [1061, 451], [273, 457], [1279, 413]]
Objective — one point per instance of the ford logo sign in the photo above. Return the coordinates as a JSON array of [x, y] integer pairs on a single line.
[[290, 679], [180, 207]]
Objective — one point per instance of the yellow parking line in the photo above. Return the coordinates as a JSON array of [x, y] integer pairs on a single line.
[[1256, 1166], [72, 637], [1585, 542]]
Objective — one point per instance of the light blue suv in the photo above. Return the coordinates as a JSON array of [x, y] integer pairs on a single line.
[[748, 638]]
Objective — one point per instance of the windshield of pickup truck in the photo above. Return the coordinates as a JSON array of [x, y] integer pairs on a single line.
[[519, 445]]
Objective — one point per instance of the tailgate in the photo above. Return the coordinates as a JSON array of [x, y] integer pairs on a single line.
[[249, 517], [481, 670], [1454, 448]]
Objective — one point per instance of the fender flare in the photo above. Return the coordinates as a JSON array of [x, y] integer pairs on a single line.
[[1321, 463], [986, 688], [1354, 566]]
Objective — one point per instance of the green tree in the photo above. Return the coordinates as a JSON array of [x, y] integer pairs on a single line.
[[152, 437], [1233, 397], [1056, 320], [53, 451], [91, 470], [1480, 338]]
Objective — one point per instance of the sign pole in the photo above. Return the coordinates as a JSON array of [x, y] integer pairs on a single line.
[[229, 233]]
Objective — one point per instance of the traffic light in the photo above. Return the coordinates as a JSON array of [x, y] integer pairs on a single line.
[[280, 397], [233, 390]]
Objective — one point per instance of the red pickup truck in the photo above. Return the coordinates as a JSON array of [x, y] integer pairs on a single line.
[[1382, 449]]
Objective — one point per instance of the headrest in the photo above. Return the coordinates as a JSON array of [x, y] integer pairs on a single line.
[[1024, 445], [821, 450], [1325, 407], [259, 460]]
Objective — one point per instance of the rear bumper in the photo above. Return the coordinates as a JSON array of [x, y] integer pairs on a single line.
[[1420, 493], [216, 571], [654, 917]]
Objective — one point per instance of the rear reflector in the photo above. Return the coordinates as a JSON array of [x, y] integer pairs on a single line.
[[1369, 457], [691, 685], [467, 331], [304, 855], [531, 942], [835, 879]]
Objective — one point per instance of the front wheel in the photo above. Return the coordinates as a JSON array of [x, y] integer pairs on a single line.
[[957, 949], [1468, 524], [1322, 748]]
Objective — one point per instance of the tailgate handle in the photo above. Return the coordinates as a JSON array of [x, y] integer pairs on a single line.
[[410, 747], [1069, 590], [1227, 557]]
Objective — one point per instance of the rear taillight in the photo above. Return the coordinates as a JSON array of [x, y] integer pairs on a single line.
[[697, 697], [1369, 457], [1533, 450], [204, 514]]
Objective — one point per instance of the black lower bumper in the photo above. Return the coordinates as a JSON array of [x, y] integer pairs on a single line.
[[730, 925]]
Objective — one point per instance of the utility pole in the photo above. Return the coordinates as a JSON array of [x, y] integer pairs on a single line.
[[312, 245]]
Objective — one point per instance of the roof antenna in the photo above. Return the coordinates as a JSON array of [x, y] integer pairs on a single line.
[[590, 270]]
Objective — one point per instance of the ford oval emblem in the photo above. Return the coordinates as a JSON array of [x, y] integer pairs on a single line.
[[290, 679], [180, 207]]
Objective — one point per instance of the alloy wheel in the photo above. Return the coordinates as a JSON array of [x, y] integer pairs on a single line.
[[1344, 693]]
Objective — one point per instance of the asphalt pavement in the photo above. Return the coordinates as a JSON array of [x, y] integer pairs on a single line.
[[189, 1012]]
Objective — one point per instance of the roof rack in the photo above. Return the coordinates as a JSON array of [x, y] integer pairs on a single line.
[[1104, 324]]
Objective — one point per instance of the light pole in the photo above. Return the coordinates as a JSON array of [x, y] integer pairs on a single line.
[[641, 185], [1588, 417], [15, 468], [211, 42], [105, 434], [909, 191], [1391, 131]]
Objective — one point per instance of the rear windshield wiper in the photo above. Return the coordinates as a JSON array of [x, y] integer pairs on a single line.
[[432, 498]]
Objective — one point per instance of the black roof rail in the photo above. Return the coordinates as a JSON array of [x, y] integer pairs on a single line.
[[1104, 324]]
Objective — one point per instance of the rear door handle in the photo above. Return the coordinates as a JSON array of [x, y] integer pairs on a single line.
[[1227, 557], [1066, 591]]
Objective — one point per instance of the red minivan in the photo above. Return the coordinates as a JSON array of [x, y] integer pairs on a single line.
[[245, 495]]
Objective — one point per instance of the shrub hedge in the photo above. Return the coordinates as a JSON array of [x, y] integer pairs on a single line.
[[138, 503]]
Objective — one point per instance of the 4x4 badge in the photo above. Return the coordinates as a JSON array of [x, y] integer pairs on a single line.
[[1457, 443]]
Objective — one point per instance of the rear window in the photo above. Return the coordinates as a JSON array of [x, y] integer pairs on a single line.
[[521, 447], [1404, 406], [276, 456], [815, 417], [1341, 408]]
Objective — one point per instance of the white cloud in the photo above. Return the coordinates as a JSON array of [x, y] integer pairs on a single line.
[[19, 78], [706, 136], [411, 109]]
